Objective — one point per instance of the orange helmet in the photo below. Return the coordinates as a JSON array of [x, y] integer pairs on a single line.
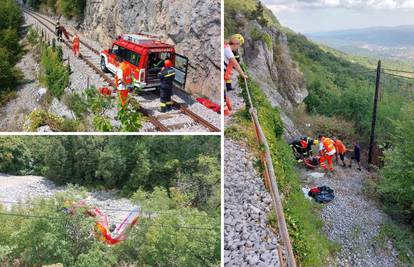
[[168, 63]]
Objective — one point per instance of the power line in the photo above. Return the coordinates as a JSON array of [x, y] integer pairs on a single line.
[[399, 76], [141, 224], [112, 209], [402, 71]]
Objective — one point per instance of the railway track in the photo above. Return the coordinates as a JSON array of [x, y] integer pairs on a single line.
[[161, 122]]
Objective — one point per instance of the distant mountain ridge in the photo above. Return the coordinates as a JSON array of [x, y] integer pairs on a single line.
[[381, 36]]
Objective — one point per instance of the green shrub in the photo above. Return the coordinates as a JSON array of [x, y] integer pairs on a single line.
[[76, 103], [55, 74], [11, 20], [41, 117], [257, 35], [33, 37], [397, 185]]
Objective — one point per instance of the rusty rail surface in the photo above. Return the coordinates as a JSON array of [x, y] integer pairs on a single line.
[[158, 125], [153, 120], [271, 183]]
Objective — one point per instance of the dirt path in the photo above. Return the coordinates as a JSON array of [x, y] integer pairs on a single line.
[[353, 220], [20, 188]]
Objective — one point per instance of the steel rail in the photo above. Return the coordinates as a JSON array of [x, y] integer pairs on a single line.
[[271, 182]]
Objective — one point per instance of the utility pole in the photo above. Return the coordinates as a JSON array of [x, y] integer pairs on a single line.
[[374, 113]]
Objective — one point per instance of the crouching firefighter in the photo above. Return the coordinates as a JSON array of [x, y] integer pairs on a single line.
[[167, 77], [123, 80], [302, 148]]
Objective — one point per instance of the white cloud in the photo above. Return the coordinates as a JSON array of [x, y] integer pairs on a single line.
[[283, 5]]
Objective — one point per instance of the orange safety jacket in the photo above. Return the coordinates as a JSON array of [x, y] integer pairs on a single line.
[[228, 70], [76, 41], [126, 78], [328, 146], [340, 147]]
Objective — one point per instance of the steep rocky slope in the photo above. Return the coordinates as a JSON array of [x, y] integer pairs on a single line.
[[192, 26], [266, 52]]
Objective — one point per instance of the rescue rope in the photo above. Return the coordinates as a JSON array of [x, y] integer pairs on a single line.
[[271, 182]]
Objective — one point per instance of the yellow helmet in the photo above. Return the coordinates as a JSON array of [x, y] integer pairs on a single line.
[[315, 142], [239, 37]]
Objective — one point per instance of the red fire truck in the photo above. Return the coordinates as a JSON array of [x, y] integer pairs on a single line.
[[145, 54]]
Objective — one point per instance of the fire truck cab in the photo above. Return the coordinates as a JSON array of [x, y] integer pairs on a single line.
[[145, 54]]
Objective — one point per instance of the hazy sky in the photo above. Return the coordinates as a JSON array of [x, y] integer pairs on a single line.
[[326, 15]]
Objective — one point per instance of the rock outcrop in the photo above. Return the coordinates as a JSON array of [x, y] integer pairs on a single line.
[[267, 55], [192, 26]]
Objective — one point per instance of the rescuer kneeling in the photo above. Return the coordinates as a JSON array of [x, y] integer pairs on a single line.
[[166, 76]]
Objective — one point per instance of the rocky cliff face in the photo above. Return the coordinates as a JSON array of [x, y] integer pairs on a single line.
[[267, 56], [193, 26]]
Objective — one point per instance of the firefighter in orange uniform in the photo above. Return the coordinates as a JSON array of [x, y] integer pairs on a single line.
[[340, 150], [75, 45], [230, 63], [123, 81], [327, 151]]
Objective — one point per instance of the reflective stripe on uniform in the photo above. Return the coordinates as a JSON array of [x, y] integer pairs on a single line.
[[169, 75]]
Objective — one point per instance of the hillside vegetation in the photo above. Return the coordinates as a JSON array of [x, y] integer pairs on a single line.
[[68, 8], [177, 177], [11, 20]]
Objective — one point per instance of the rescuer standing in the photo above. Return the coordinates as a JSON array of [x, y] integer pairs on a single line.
[[230, 63], [59, 31], [123, 81], [327, 151], [166, 76], [75, 45]]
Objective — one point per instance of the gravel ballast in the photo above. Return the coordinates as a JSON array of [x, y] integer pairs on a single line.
[[353, 220], [248, 241]]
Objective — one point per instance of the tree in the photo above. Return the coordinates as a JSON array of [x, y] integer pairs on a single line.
[[397, 184], [258, 14], [14, 155], [56, 162]]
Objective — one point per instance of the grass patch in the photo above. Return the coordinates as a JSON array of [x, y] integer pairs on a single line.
[[257, 35], [7, 96], [315, 124], [41, 117], [403, 240]]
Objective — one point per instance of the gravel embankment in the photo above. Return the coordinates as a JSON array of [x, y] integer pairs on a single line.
[[353, 220], [248, 241], [20, 188], [13, 113]]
